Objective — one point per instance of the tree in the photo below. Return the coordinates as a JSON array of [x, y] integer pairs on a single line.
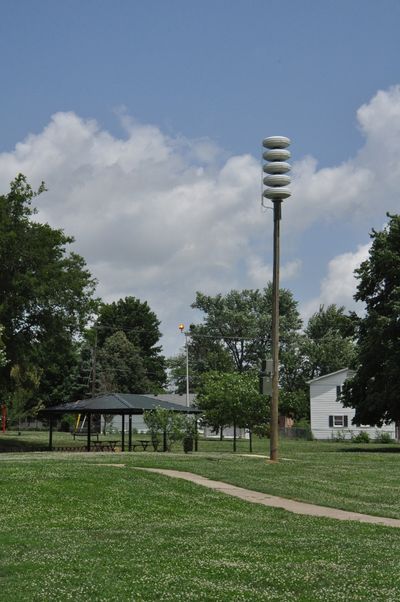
[[46, 295], [164, 422], [232, 399], [3, 357], [141, 327], [374, 391], [27, 380], [330, 341], [326, 345], [120, 367], [205, 355], [241, 323]]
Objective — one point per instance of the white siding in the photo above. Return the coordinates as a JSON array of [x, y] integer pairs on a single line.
[[323, 404]]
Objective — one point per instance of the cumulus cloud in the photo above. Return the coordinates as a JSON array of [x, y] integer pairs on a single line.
[[340, 283], [160, 217], [154, 216], [360, 186], [260, 273]]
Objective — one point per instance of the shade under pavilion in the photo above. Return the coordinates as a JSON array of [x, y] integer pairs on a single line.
[[123, 404]]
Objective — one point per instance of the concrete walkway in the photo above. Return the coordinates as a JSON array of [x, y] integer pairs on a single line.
[[274, 501]]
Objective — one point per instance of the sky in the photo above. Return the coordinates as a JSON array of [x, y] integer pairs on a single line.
[[145, 119]]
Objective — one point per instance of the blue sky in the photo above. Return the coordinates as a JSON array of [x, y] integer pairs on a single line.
[[145, 119]]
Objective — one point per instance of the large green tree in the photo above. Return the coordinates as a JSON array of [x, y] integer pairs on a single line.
[[141, 327], [46, 296], [329, 343], [205, 354], [374, 391], [120, 367], [240, 322]]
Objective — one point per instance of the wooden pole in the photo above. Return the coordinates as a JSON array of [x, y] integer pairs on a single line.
[[275, 336]]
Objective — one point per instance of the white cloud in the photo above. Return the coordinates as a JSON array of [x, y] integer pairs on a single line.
[[260, 274], [359, 187], [160, 217], [340, 283], [154, 216]]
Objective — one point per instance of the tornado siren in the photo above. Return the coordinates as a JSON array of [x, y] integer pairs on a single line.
[[276, 166]]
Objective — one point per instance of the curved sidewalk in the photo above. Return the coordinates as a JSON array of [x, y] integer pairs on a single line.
[[274, 501]]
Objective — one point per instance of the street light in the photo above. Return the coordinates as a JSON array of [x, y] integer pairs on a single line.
[[182, 328], [276, 180]]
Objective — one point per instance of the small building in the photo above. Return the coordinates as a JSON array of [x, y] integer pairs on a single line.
[[329, 418]]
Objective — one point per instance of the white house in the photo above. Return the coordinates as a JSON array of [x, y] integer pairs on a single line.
[[329, 418]]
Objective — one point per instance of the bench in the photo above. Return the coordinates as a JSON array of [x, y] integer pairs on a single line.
[[106, 445], [144, 443]]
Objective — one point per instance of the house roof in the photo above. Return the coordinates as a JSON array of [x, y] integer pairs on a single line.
[[351, 372], [117, 403], [179, 398]]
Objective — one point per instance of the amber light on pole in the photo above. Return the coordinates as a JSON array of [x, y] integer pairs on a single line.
[[276, 180]]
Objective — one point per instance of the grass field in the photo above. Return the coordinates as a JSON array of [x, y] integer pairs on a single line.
[[74, 527], [361, 478]]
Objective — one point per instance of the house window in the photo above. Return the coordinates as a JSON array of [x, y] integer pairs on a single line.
[[338, 421], [338, 392]]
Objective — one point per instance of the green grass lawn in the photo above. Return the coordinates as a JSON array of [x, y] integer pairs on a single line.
[[361, 478], [74, 530]]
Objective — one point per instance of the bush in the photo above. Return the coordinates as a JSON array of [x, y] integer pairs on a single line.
[[339, 436], [383, 438], [362, 437]]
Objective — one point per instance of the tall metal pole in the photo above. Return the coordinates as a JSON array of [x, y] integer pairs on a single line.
[[187, 370], [182, 328], [94, 359], [274, 427], [276, 180]]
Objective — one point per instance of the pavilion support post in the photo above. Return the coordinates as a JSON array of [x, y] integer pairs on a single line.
[[51, 434], [196, 435], [234, 435], [123, 433], [130, 433], [89, 424], [165, 440]]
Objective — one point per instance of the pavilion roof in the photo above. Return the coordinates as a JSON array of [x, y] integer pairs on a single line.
[[117, 403]]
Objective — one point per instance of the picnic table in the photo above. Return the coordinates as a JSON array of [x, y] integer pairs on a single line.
[[105, 445], [144, 443]]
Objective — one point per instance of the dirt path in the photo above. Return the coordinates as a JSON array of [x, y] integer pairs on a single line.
[[275, 501]]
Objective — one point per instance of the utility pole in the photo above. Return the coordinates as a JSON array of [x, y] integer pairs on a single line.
[[276, 167], [181, 328], [94, 355]]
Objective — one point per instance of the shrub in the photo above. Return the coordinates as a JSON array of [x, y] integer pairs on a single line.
[[362, 437], [339, 436], [383, 438]]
